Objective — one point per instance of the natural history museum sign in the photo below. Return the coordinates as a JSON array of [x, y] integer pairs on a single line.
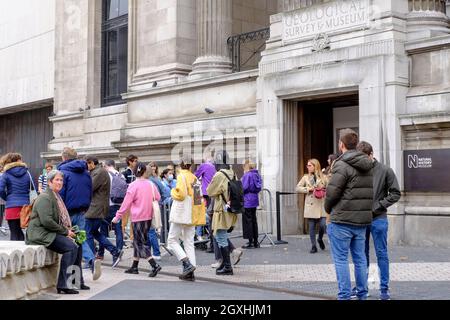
[[325, 18]]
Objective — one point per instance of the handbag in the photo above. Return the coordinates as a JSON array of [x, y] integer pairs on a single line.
[[25, 212], [320, 193], [33, 191], [199, 207], [181, 211], [156, 220]]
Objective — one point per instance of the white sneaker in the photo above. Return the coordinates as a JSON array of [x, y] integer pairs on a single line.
[[97, 272], [236, 256], [217, 264], [157, 258]]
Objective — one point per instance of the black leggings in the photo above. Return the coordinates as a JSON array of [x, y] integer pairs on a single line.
[[15, 230]]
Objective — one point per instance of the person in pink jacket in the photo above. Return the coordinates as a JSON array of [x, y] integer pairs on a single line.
[[139, 201]]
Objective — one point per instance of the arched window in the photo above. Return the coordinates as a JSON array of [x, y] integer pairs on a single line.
[[114, 51]]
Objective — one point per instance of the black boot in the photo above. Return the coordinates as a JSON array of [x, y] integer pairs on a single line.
[[256, 243], [188, 277], [313, 249], [134, 268], [155, 268], [321, 244], [226, 268], [188, 268]]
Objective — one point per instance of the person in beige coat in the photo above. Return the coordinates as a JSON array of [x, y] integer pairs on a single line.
[[313, 184], [223, 222]]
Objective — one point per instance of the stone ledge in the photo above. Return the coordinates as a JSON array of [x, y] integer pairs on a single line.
[[26, 270]]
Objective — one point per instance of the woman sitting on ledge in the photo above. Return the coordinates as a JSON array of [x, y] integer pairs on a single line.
[[50, 226]]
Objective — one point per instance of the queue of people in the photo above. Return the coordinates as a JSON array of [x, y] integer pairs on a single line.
[[348, 200]]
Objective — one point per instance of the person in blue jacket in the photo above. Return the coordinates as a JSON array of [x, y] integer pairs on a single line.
[[77, 195], [15, 185]]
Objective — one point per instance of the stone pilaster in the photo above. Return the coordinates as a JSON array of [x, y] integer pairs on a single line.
[[214, 26], [427, 18]]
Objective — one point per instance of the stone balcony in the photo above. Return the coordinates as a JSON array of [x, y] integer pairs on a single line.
[[25, 270]]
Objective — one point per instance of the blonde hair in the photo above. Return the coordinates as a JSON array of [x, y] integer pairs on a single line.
[[249, 164], [317, 168]]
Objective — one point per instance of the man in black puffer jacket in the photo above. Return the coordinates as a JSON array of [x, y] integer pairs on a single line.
[[349, 200]]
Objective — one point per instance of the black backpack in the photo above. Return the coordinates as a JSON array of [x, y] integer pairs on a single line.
[[236, 192]]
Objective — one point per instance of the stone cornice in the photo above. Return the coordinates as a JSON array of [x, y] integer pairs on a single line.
[[195, 85], [365, 50], [69, 116], [428, 45]]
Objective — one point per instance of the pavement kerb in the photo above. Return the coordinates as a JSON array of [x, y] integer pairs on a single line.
[[243, 285]]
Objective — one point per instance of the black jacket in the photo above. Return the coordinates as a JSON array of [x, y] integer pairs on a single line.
[[386, 189], [350, 191]]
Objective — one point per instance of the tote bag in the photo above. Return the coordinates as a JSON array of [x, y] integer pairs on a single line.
[[199, 207], [156, 220], [181, 211], [33, 191]]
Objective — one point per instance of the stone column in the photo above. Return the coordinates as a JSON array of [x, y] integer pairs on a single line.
[[427, 18], [214, 26]]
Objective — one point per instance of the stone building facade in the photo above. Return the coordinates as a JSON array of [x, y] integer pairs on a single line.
[[379, 66]]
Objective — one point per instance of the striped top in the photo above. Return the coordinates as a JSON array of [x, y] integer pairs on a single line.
[[43, 180]]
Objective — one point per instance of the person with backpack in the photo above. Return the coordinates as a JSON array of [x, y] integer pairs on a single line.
[[139, 202], [181, 219], [118, 192], [252, 186], [15, 186], [130, 177], [228, 203], [99, 209], [76, 193], [313, 185]]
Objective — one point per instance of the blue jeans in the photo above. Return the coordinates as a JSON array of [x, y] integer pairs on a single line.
[[104, 229], [79, 220], [343, 238], [379, 231], [93, 232], [153, 242], [222, 238]]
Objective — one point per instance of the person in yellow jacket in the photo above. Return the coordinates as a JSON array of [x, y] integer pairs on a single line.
[[181, 225], [223, 221]]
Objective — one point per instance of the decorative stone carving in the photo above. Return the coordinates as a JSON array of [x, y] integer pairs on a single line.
[[321, 42], [427, 18], [288, 5]]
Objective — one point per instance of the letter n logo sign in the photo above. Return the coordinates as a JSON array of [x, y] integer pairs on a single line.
[[413, 161]]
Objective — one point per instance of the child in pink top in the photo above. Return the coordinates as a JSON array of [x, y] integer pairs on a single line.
[[139, 200]]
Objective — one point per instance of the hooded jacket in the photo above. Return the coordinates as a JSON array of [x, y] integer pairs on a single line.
[[15, 185], [77, 189], [101, 186], [252, 185], [349, 196]]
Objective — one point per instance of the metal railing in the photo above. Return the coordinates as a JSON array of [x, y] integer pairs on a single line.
[[243, 53]]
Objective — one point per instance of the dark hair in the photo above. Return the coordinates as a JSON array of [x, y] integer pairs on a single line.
[[164, 173], [130, 159], [349, 138], [365, 147], [333, 157], [92, 159], [221, 160], [186, 162], [141, 168], [110, 163]]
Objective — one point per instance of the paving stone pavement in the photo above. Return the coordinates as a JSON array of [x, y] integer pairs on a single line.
[[416, 273]]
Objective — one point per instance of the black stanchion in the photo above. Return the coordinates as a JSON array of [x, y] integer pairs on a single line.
[[278, 201]]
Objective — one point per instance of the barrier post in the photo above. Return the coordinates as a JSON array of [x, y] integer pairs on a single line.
[[278, 203]]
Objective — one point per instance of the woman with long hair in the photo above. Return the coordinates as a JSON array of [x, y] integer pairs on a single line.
[[314, 184]]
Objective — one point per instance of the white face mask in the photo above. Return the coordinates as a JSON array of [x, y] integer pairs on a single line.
[[170, 178]]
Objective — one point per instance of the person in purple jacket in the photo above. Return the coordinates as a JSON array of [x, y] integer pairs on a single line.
[[205, 174], [252, 184]]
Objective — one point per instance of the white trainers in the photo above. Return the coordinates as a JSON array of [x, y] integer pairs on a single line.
[[236, 256], [217, 264], [97, 272], [157, 258]]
